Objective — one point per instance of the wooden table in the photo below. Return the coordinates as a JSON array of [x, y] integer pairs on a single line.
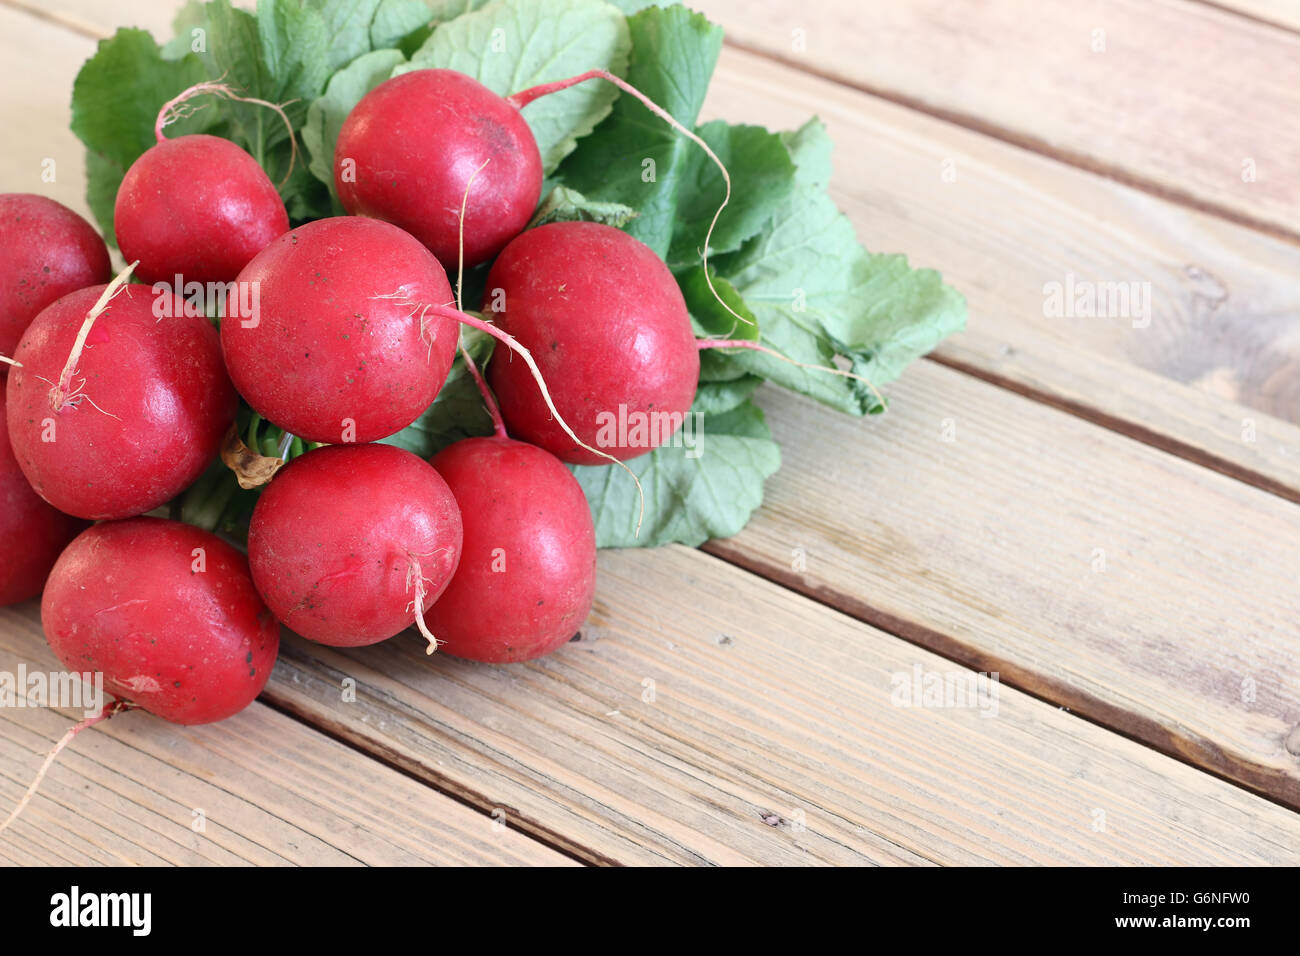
[[1105, 513]]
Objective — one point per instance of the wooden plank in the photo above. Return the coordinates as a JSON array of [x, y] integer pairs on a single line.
[[770, 736], [1282, 13], [271, 791], [1146, 593], [1179, 98], [1225, 316], [1225, 303]]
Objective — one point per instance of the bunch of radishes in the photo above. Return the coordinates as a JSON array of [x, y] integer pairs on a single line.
[[128, 393], [341, 331]]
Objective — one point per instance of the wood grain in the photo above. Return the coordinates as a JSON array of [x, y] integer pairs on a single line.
[[1225, 300], [272, 792], [707, 716], [1174, 96], [1282, 13], [1146, 593]]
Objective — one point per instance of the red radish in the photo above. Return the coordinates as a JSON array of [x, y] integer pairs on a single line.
[[344, 346], [608, 327], [196, 206], [168, 613], [115, 411], [49, 251], [408, 150], [351, 544], [527, 573], [32, 534]]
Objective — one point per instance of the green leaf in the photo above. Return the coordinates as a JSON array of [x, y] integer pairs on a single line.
[[688, 499], [714, 398], [326, 115], [115, 102], [443, 10], [188, 18], [709, 316], [568, 205], [296, 47], [397, 20], [762, 178], [347, 28], [818, 294], [458, 411], [511, 45], [634, 157]]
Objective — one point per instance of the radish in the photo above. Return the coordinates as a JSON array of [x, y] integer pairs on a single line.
[[351, 544], [342, 348], [49, 251], [407, 152], [196, 206], [609, 329], [410, 148], [32, 534], [168, 613], [114, 411], [527, 573]]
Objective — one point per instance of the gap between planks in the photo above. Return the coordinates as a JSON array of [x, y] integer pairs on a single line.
[[756, 23], [1030, 143]]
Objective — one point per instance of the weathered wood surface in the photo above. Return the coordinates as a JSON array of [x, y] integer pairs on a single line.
[[271, 791], [1182, 98], [1155, 596], [705, 710], [1224, 301]]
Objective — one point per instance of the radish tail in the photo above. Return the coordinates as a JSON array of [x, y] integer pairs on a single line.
[[524, 97], [172, 111], [62, 393], [109, 710]]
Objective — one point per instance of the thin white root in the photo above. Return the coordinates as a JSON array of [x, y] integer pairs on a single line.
[[62, 393], [109, 710], [415, 578], [460, 253], [450, 312], [524, 97], [172, 111], [514, 346], [8, 361]]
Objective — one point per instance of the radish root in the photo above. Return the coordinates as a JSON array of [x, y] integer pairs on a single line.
[[110, 710], [176, 109], [702, 344], [494, 410], [415, 579], [524, 97], [450, 312], [514, 346], [63, 393], [8, 361]]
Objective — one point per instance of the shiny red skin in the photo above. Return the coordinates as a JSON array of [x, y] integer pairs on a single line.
[[417, 139], [521, 505], [607, 326], [331, 539], [32, 534], [327, 349], [196, 206], [190, 646], [164, 404], [49, 251]]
